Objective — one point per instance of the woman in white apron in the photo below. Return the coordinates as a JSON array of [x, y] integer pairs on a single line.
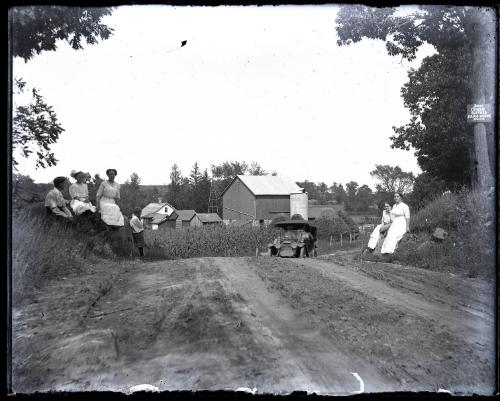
[[107, 194], [384, 225], [399, 227], [79, 193]]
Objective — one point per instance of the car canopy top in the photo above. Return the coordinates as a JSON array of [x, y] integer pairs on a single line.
[[296, 223]]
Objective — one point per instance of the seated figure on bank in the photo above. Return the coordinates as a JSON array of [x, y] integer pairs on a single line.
[[55, 202], [379, 231], [79, 193]]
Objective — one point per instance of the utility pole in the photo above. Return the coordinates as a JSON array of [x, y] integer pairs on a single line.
[[483, 32]]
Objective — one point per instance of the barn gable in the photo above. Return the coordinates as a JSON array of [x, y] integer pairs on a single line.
[[257, 197]]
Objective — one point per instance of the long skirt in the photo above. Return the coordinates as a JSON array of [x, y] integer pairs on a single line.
[[80, 207], [394, 235], [374, 236], [110, 212]]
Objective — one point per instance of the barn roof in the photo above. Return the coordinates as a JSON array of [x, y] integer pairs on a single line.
[[268, 184], [186, 215], [152, 208], [209, 217]]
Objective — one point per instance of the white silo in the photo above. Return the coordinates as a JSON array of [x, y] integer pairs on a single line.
[[298, 204]]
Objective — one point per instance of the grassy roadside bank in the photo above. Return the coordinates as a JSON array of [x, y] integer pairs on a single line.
[[469, 249]]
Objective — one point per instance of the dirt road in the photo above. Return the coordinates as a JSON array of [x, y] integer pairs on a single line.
[[276, 325]]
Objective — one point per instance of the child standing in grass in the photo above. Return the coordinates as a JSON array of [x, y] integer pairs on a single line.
[[137, 230]]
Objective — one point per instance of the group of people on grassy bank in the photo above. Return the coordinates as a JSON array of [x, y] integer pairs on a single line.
[[107, 204], [395, 223]]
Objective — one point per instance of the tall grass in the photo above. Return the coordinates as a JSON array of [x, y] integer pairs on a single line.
[[41, 250], [444, 211], [44, 248], [207, 241]]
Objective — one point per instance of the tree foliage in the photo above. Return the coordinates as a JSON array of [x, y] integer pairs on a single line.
[[35, 128], [38, 28], [34, 29], [439, 90], [393, 179]]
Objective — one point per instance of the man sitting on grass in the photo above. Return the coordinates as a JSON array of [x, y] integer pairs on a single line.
[[55, 202], [137, 230]]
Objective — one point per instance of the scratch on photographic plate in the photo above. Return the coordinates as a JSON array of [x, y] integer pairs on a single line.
[[361, 384]]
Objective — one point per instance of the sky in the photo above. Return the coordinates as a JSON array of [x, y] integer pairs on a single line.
[[263, 84]]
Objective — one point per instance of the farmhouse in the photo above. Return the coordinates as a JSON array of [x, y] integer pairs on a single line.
[[259, 198], [156, 214]]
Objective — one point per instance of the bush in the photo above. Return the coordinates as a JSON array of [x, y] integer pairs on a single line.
[[208, 241], [328, 227], [444, 211], [353, 227]]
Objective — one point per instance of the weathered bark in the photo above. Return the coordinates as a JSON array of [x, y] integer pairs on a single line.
[[483, 31]]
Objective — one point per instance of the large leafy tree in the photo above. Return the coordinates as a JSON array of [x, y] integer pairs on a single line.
[[35, 128], [393, 179], [35, 29], [460, 73], [38, 28]]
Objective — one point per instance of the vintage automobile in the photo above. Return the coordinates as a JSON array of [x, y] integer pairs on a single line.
[[297, 238]]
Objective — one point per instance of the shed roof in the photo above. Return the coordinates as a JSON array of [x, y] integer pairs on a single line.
[[158, 218], [152, 208], [186, 215], [268, 184], [209, 217]]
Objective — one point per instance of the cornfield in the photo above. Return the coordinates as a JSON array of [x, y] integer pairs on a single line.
[[207, 241]]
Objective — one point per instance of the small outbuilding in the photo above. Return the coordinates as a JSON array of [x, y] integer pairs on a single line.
[[208, 219], [187, 218]]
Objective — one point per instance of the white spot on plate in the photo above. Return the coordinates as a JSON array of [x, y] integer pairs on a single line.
[[144, 387], [247, 390]]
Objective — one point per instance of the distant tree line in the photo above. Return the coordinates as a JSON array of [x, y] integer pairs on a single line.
[[193, 191]]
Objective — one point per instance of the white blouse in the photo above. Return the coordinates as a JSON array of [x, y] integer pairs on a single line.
[[109, 190], [401, 210], [77, 190]]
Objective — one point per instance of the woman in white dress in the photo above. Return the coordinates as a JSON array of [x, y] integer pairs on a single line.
[[384, 225], [107, 195], [399, 227], [79, 193]]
